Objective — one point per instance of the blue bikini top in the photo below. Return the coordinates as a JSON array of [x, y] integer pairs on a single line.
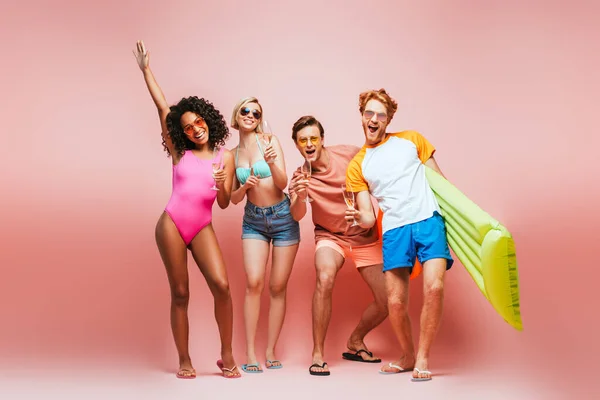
[[261, 167]]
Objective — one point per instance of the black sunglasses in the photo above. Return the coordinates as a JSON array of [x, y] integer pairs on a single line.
[[245, 111]]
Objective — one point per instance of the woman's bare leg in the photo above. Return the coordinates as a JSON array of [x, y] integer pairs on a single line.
[[173, 252], [256, 253], [207, 254], [281, 269]]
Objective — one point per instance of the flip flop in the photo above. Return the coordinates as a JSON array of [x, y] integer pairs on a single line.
[[273, 366], [230, 370], [318, 373], [181, 373], [252, 371], [392, 365], [356, 356], [421, 379]]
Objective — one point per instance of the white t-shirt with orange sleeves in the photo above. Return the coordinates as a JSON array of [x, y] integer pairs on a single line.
[[394, 172]]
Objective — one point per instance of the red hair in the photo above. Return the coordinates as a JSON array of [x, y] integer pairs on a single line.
[[379, 95]]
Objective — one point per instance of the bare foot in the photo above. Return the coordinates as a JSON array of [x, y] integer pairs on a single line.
[[356, 346], [319, 367], [405, 364], [273, 364], [421, 372], [186, 371], [252, 365], [272, 361], [228, 366]]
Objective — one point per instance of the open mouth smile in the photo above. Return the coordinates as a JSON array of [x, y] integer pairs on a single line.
[[200, 135]]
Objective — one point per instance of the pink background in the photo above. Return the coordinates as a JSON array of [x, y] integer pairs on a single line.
[[507, 91]]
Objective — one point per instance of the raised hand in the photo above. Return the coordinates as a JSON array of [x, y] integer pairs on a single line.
[[141, 55]]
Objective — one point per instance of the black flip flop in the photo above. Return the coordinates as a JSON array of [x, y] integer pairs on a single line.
[[318, 373], [356, 356]]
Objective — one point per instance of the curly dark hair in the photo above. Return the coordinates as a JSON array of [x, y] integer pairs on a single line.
[[218, 131]]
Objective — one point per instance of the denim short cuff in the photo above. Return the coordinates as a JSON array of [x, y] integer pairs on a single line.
[[254, 236], [285, 243]]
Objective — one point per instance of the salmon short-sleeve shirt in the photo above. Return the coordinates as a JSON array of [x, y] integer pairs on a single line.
[[328, 206]]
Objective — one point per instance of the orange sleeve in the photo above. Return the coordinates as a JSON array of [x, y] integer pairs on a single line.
[[355, 180], [424, 148]]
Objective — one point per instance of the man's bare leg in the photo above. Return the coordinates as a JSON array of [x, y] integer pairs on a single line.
[[327, 263], [433, 297], [374, 314], [396, 282]]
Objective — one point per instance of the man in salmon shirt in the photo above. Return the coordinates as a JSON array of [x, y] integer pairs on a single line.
[[391, 168], [335, 239]]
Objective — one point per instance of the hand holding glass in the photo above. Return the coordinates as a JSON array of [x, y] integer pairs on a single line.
[[267, 136], [306, 171], [349, 199]]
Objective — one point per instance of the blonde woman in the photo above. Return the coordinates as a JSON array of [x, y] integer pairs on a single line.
[[268, 226]]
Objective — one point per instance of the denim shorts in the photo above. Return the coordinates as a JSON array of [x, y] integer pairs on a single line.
[[274, 223], [424, 240]]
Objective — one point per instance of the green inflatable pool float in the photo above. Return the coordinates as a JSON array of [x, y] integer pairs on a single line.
[[483, 246]]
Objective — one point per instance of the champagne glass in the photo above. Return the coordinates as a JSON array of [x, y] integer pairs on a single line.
[[349, 199], [306, 171], [216, 166], [267, 136]]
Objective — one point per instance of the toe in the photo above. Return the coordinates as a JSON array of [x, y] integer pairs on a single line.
[[186, 373], [388, 368], [421, 374]]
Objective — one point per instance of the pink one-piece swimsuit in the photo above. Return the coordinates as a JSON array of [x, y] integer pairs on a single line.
[[190, 205]]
